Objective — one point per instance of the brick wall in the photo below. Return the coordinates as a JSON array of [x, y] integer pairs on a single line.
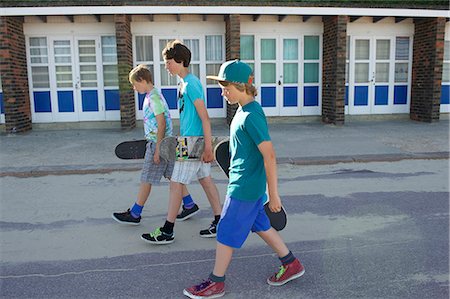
[[333, 75], [233, 50], [428, 55], [13, 69], [125, 64]]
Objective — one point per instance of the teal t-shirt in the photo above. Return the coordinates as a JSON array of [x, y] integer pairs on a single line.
[[190, 90], [247, 174]]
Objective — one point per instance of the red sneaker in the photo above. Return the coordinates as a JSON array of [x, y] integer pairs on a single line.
[[207, 289], [287, 273]]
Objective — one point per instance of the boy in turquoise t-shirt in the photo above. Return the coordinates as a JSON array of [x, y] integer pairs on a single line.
[[194, 121], [252, 166], [157, 125]]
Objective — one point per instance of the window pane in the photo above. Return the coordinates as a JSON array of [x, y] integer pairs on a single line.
[[88, 74], [247, 47], [290, 49], [194, 46], [402, 48], [38, 42], [144, 48], [446, 72], [39, 75], [347, 69], [109, 49], [401, 72], [38, 50], [447, 50], [194, 69], [311, 47], [382, 72], [347, 45], [362, 49], [212, 69], [110, 75], [166, 79], [214, 48], [162, 45], [361, 72], [268, 50], [268, 74], [383, 49], [311, 72], [64, 76], [290, 72], [86, 50]]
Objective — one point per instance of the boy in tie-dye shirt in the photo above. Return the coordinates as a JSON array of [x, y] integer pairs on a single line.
[[157, 125]]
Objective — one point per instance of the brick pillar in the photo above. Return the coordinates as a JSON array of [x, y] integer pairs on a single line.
[[125, 64], [13, 69], [428, 56], [333, 74], [233, 50]]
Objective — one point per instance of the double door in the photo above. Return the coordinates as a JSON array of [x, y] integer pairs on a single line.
[[287, 73], [67, 84], [378, 75]]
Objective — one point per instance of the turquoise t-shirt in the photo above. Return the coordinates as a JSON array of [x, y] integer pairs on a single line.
[[190, 90], [247, 174]]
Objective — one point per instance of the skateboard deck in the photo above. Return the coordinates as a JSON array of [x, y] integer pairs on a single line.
[[134, 149], [185, 148], [222, 155]]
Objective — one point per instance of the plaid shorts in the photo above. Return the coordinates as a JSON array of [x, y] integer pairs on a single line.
[[186, 171], [151, 172]]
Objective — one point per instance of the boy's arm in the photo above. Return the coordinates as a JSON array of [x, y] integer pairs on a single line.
[[206, 124], [270, 165], [161, 121]]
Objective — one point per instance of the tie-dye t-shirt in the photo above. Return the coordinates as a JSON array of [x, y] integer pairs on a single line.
[[154, 104]]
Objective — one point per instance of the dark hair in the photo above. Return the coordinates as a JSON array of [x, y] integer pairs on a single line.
[[139, 73], [177, 51]]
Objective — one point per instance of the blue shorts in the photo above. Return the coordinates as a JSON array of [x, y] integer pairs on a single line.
[[239, 218]]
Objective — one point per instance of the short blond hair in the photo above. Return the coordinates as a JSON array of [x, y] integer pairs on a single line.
[[139, 73], [248, 88]]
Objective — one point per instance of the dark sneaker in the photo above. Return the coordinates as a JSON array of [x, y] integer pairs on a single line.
[[158, 237], [209, 232], [126, 218], [207, 289], [287, 273], [187, 213]]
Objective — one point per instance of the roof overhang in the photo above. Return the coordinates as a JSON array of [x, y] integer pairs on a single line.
[[220, 10]]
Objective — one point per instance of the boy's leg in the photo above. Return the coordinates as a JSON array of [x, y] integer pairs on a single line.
[[190, 208], [164, 235], [291, 268], [133, 215], [214, 286], [214, 200], [223, 259]]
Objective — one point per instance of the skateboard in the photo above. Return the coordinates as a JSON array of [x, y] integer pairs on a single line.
[[134, 149], [186, 148], [171, 148], [222, 155]]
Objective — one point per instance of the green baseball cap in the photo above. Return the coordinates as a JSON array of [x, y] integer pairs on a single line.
[[234, 71]]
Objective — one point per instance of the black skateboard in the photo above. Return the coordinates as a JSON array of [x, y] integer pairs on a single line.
[[131, 149], [172, 148], [222, 155]]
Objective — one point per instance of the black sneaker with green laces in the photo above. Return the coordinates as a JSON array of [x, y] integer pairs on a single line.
[[126, 218], [188, 213], [210, 232], [158, 237]]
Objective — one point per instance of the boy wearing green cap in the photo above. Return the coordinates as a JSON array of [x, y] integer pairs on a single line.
[[252, 166]]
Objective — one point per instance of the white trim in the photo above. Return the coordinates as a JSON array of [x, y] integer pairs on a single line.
[[243, 10]]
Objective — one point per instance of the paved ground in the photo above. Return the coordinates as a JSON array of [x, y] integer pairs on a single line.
[[368, 207]]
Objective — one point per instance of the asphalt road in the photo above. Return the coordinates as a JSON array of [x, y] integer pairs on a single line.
[[362, 230]]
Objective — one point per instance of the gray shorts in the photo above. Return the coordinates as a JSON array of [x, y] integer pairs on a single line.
[[151, 172], [186, 171]]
